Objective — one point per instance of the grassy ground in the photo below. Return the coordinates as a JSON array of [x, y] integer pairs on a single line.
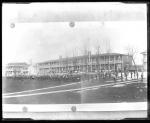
[[132, 92]]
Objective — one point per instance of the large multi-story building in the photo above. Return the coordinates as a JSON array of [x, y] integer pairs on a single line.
[[86, 63], [90, 63], [17, 69]]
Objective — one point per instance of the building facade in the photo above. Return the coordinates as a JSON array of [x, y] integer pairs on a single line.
[[16, 69], [87, 63]]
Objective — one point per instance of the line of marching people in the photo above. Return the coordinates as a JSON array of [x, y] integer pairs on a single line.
[[124, 76], [103, 74]]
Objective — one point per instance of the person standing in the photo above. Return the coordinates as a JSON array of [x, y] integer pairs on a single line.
[[142, 76], [134, 74], [131, 74], [116, 74], [121, 76], [114, 77], [137, 75], [109, 75], [126, 76], [103, 74]]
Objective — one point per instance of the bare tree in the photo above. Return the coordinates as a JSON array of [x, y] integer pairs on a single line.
[[132, 51], [98, 52], [85, 50], [66, 60], [74, 59]]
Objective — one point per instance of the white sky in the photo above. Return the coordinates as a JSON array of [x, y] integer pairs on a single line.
[[47, 38]]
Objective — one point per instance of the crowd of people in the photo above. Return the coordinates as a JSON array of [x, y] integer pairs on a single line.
[[78, 76], [124, 75]]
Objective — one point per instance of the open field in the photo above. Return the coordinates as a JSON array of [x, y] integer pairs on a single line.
[[59, 92]]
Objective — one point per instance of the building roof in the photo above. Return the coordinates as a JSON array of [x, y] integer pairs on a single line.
[[112, 54], [92, 55], [18, 63], [145, 52]]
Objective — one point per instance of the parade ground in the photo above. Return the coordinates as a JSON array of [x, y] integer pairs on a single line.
[[28, 91]]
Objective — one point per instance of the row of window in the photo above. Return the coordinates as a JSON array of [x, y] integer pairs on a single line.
[[78, 63], [16, 68], [83, 60], [17, 72], [80, 67]]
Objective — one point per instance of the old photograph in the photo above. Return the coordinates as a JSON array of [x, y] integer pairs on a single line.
[[74, 55]]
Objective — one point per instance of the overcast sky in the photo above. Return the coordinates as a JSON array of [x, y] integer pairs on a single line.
[[42, 32]]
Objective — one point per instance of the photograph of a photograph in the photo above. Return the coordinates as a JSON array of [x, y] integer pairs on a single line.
[[74, 55]]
